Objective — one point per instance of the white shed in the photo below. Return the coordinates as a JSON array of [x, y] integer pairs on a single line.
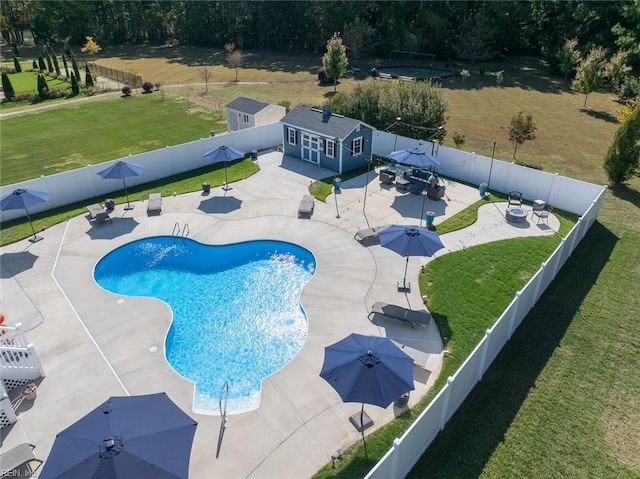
[[246, 112]]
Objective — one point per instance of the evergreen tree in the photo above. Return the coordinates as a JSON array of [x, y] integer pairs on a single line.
[[75, 89], [335, 60], [7, 87], [88, 79], [41, 66], [568, 57], [16, 65], [66, 67], [74, 65], [56, 65], [590, 73], [43, 88], [623, 157], [49, 62], [34, 65]]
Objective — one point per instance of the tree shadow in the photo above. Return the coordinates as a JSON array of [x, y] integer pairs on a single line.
[[479, 426], [600, 115], [626, 193]]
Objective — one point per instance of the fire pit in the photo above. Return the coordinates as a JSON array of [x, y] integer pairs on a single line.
[[516, 215]]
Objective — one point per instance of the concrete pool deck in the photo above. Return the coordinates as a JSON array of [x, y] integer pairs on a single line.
[[94, 344]]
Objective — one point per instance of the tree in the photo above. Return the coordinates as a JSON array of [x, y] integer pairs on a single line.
[[590, 73], [7, 87], [90, 47], [16, 65], [56, 65], [75, 88], [568, 57], [41, 66], [88, 79], [623, 157], [66, 67], [357, 37], [43, 88], [74, 65], [235, 58], [616, 69], [335, 60], [206, 74], [522, 128], [473, 43], [628, 108]]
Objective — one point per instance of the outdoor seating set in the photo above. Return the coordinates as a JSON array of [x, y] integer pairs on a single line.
[[306, 206], [516, 214], [414, 180]]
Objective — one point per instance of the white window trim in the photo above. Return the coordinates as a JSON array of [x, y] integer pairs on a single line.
[[245, 118], [330, 148], [357, 146], [291, 136]]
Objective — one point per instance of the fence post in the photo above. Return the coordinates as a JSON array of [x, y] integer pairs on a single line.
[[483, 354], [31, 351], [536, 294], [20, 332], [445, 402], [514, 312], [559, 264]]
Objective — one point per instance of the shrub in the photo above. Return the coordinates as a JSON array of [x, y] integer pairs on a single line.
[[34, 65], [157, 85], [43, 88], [286, 104], [16, 64], [630, 88], [458, 139], [41, 65], [9, 92], [75, 88], [126, 90], [147, 87]]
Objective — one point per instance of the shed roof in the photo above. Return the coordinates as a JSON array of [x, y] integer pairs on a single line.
[[247, 105], [310, 119]]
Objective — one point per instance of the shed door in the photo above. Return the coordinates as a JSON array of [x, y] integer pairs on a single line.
[[310, 148]]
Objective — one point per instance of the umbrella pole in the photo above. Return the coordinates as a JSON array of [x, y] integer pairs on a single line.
[[35, 238], [128, 207], [422, 211], [406, 266], [362, 431], [226, 182]]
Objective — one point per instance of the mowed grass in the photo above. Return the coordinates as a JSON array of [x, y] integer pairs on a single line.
[[90, 132], [27, 82], [562, 398]]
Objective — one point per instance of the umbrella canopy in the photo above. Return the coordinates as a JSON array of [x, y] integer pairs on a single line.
[[226, 154], [415, 157], [134, 436], [23, 199], [367, 369], [122, 170], [407, 240]]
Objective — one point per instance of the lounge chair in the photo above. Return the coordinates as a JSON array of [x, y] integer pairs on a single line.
[[543, 214], [98, 213], [154, 204], [515, 198], [370, 234], [18, 460], [410, 316], [306, 206]]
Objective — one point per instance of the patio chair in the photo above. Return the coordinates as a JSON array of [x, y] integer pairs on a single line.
[[154, 204], [18, 460], [306, 206], [410, 316], [369, 235], [543, 214], [515, 198], [98, 213]]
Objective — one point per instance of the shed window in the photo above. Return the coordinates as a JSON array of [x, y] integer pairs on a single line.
[[330, 148], [245, 118], [357, 146], [292, 136]]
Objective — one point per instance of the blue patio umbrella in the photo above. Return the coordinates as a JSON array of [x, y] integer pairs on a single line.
[[23, 199], [367, 369], [416, 157], [226, 154], [136, 436], [407, 240], [122, 170]]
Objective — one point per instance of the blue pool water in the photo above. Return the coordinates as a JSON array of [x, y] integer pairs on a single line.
[[236, 308]]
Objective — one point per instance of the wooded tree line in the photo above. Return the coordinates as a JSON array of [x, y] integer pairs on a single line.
[[449, 29]]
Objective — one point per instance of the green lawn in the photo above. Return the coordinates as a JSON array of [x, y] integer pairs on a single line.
[[90, 132], [27, 82]]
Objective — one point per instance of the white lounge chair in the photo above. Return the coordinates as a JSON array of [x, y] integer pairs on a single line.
[[18, 460], [306, 206], [154, 204], [410, 316], [370, 235]]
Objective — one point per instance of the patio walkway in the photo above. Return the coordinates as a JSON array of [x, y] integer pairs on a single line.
[[94, 344]]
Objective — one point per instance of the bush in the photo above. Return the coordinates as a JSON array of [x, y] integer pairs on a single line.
[[157, 85], [147, 87], [16, 64], [126, 90], [9, 92], [630, 88]]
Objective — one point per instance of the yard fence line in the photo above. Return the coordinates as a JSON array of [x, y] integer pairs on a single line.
[[408, 449], [126, 78]]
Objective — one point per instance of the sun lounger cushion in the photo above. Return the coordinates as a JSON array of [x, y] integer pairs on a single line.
[[402, 314], [15, 460], [306, 206], [98, 213], [155, 203]]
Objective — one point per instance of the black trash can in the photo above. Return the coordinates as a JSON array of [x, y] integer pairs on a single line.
[[206, 187], [109, 204], [254, 155]]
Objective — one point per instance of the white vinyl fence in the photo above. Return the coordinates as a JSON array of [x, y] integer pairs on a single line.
[[85, 183], [406, 450]]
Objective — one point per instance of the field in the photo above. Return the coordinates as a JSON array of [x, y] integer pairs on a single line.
[[562, 398]]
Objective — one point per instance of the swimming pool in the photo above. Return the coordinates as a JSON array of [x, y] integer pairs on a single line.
[[236, 308]]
